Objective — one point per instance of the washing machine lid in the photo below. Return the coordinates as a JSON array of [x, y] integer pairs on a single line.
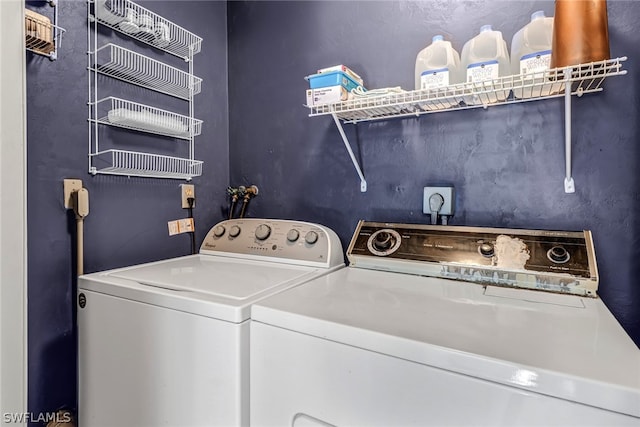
[[213, 286], [559, 345]]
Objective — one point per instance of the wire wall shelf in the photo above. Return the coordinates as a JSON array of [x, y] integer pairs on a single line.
[[558, 82], [118, 112], [142, 24], [131, 163], [124, 64], [584, 78], [41, 35], [114, 61]]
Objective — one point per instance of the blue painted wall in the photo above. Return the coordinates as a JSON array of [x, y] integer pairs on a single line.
[[506, 163], [128, 216]]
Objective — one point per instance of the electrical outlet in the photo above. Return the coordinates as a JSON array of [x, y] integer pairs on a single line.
[[187, 190], [447, 193], [70, 186]]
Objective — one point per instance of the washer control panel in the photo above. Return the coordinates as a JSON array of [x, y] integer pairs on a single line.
[[285, 240], [560, 261]]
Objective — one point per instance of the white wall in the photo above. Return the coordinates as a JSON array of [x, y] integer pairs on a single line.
[[13, 284]]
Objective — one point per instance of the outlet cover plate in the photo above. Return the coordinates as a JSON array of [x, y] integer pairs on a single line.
[[186, 191], [447, 193], [70, 187]]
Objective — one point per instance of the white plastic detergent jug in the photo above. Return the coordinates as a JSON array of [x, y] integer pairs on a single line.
[[531, 56], [438, 66], [485, 58]]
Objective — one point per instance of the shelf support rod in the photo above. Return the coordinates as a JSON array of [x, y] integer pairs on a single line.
[[569, 185], [363, 181], [56, 43]]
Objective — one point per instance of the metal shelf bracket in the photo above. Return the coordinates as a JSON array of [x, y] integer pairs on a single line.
[[363, 181], [569, 185]]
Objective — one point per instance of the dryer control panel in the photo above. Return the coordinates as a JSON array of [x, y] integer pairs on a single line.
[[293, 242], [557, 261]]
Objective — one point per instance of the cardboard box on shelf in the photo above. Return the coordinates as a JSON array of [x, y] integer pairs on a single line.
[[326, 95]]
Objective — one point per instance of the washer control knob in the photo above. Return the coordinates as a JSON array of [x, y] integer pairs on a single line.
[[219, 231], [311, 237], [558, 254], [486, 250], [263, 231], [293, 235], [383, 241], [234, 231]]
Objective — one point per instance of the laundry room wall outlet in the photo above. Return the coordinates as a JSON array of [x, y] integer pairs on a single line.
[[447, 193], [186, 191], [70, 186]]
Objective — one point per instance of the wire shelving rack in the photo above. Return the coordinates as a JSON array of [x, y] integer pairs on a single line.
[[131, 67], [575, 80]]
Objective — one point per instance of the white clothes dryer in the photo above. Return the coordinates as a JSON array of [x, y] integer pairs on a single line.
[[404, 337], [167, 343]]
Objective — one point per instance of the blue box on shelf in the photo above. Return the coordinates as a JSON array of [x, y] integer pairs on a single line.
[[334, 78]]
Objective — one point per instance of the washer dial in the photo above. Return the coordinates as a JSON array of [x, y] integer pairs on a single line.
[[234, 231], [486, 249], [311, 237], [219, 231], [384, 242], [263, 232], [558, 255], [293, 235]]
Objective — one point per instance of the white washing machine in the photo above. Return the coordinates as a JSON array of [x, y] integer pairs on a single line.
[[167, 343], [434, 326]]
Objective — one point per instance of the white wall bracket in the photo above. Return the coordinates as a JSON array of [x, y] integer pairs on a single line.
[[363, 181], [569, 185]]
